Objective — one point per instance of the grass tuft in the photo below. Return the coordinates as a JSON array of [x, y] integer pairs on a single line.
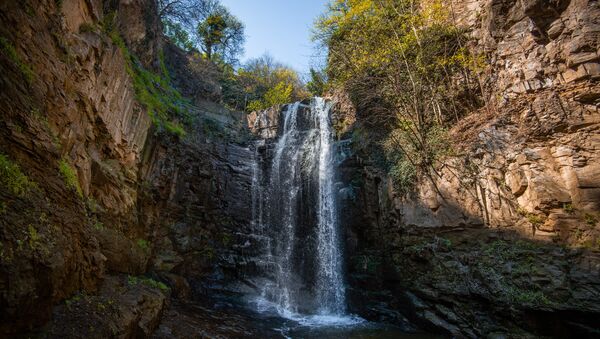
[[132, 281], [13, 178], [70, 176]]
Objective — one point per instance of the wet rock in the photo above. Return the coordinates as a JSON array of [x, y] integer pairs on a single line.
[[125, 307]]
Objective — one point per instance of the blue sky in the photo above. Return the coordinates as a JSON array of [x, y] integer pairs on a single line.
[[279, 27]]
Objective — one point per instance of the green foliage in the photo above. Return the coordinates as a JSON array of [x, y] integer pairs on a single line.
[[204, 25], [165, 105], [13, 178], [69, 175], [221, 35], [99, 226], [568, 207], [7, 48], [34, 237], [278, 95], [73, 299], [143, 244], [268, 83], [132, 281], [87, 27], [225, 239], [400, 61], [590, 219], [403, 174], [317, 83], [527, 297], [535, 219], [178, 35]]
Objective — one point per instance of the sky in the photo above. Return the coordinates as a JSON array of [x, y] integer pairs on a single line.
[[280, 27]]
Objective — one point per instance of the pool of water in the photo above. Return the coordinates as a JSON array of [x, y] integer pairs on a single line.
[[294, 325], [364, 330], [235, 319]]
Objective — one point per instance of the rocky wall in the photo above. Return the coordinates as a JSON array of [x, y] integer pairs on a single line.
[[502, 239]]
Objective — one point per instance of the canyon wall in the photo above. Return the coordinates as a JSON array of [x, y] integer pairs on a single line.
[[504, 237], [109, 195]]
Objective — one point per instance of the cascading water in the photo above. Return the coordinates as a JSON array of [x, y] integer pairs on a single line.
[[298, 210]]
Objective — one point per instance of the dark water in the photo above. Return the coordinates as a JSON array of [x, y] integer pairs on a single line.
[[290, 325], [227, 319], [366, 330]]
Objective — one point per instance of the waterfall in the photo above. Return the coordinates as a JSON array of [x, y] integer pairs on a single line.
[[297, 208], [330, 285]]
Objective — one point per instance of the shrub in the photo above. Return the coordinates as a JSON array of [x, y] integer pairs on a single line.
[[143, 244], [70, 176], [590, 219], [132, 281], [535, 219], [34, 237], [12, 177], [87, 27], [528, 297], [568, 207], [99, 226]]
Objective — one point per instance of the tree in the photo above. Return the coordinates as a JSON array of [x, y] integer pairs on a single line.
[[267, 82], [204, 25], [221, 35], [179, 36], [316, 84], [185, 12], [404, 64]]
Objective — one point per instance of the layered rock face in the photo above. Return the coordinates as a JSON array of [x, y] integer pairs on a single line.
[[111, 195], [505, 237]]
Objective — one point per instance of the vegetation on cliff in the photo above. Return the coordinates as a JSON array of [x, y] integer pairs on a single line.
[[13, 178], [164, 103], [214, 39], [407, 70]]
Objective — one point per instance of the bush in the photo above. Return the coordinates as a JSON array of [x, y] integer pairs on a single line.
[[143, 244], [12, 178], [86, 27], [590, 219], [70, 176], [132, 281]]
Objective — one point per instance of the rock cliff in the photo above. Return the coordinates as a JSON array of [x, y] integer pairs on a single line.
[[503, 237], [108, 196], [107, 219]]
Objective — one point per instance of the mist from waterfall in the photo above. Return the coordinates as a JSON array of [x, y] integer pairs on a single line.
[[294, 203]]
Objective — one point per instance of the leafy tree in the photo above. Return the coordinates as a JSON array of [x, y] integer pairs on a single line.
[[221, 34], [316, 84], [204, 25], [267, 82], [179, 36], [186, 12], [404, 64]]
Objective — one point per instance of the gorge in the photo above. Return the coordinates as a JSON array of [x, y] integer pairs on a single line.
[[139, 200]]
